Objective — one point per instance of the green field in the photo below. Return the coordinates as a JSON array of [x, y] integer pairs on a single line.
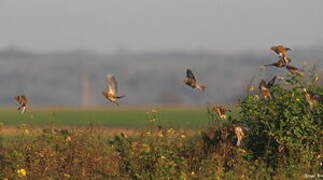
[[107, 117]]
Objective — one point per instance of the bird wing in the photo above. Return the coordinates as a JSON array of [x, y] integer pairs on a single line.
[[316, 96], [262, 84], [271, 82], [289, 67], [112, 84], [189, 74]]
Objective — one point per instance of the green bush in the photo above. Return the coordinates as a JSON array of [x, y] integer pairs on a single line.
[[284, 130]]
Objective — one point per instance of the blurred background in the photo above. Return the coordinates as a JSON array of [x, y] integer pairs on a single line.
[[59, 52]]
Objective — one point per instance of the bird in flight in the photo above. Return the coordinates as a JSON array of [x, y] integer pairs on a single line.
[[294, 70], [22, 100], [191, 81], [309, 99], [112, 88], [280, 63], [264, 87], [220, 111], [282, 52]]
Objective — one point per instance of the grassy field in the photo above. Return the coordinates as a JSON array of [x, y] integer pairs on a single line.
[[180, 117]]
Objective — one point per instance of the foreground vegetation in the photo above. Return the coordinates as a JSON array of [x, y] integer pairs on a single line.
[[283, 140]]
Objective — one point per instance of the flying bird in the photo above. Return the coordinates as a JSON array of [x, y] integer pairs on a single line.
[[280, 63], [264, 87], [282, 52], [191, 81], [294, 70], [112, 88], [220, 111], [239, 134], [22, 100], [308, 97]]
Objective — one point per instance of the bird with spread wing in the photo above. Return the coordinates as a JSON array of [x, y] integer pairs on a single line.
[[279, 64], [264, 87], [191, 81], [294, 70], [22, 100], [282, 52], [112, 89], [308, 97], [220, 111]]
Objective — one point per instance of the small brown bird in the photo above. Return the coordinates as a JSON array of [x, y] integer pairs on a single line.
[[308, 97], [294, 70], [239, 134], [282, 52], [280, 63], [317, 97], [22, 100], [112, 88], [220, 111], [265, 87], [191, 81]]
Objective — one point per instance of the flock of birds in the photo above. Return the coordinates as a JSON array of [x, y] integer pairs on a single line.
[[110, 93]]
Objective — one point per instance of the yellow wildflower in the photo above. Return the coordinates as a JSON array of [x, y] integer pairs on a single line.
[[154, 111], [67, 175], [145, 148], [152, 120], [241, 150], [21, 172], [183, 136], [170, 130]]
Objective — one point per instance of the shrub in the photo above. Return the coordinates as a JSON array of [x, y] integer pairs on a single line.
[[285, 131]]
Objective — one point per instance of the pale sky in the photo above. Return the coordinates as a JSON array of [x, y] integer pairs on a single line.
[[106, 25]]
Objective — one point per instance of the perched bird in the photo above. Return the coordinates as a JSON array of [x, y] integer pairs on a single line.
[[265, 87], [280, 63], [282, 52], [239, 134], [112, 88], [191, 81], [22, 100], [309, 99], [294, 70], [316, 97], [220, 111]]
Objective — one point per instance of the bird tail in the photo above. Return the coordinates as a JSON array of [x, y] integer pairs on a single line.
[[119, 97]]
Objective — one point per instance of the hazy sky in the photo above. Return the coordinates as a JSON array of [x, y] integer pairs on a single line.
[[106, 25]]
